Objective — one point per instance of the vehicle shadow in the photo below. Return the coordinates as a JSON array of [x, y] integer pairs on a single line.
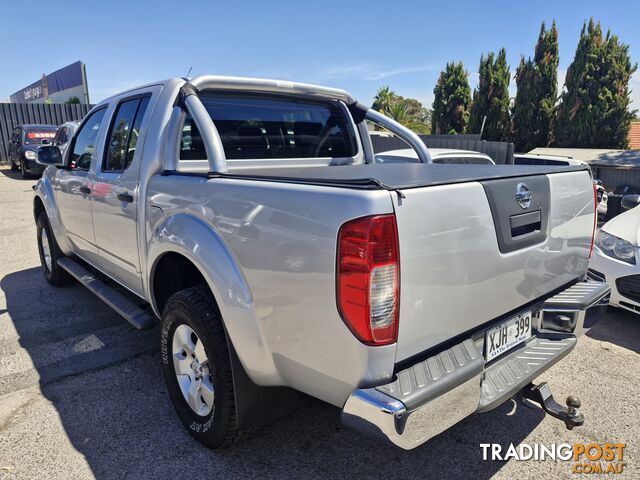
[[115, 411], [14, 175], [620, 327], [65, 331]]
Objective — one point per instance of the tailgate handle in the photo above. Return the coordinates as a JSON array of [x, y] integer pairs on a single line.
[[525, 223]]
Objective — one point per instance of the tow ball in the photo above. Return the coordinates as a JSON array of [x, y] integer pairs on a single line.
[[541, 394]]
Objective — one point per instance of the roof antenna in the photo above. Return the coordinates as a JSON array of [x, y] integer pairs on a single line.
[[189, 72]]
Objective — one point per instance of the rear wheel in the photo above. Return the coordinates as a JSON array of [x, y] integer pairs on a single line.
[[197, 367], [50, 253]]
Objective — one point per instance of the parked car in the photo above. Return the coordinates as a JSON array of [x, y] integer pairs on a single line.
[[602, 198], [562, 161], [438, 155], [614, 199], [23, 147], [253, 220], [544, 159], [616, 258], [64, 135]]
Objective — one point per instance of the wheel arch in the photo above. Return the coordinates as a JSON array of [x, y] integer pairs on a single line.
[[192, 246], [44, 200]]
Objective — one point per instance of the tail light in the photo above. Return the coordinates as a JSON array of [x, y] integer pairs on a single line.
[[369, 278], [595, 218]]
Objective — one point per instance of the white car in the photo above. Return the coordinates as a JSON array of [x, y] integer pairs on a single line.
[[438, 155], [616, 259]]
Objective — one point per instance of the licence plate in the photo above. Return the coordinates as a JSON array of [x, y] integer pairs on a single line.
[[507, 335]]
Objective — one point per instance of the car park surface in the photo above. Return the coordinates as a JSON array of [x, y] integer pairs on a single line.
[[81, 396]]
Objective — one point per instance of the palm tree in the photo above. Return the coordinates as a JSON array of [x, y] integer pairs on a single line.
[[399, 111], [384, 99]]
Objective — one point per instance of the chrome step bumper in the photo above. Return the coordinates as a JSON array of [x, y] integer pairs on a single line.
[[423, 401], [510, 374], [436, 393]]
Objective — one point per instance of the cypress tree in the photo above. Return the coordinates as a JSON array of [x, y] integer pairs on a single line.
[[452, 97], [535, 104], [594, 112], [491, 98]]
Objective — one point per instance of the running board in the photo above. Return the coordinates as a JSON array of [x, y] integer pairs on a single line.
[[121, 304]]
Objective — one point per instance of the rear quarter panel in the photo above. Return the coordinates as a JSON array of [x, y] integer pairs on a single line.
[[283, 239]]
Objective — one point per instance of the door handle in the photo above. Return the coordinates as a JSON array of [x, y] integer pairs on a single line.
[[85, 190], [125, 197]]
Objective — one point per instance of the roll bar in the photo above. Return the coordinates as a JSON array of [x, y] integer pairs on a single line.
[[189, 101], [218, 82], [403, 132]]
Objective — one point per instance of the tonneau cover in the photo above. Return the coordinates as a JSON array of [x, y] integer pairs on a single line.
[[396, 176]]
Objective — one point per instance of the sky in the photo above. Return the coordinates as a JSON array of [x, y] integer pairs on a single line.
[[355, 45]]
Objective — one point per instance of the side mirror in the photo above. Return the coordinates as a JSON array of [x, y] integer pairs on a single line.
[[49, 155], [630, 201]]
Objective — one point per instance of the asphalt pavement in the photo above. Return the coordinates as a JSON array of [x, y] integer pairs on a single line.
[[82, 396]]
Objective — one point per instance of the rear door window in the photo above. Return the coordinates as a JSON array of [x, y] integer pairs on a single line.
[[123, 134], [273, 127]]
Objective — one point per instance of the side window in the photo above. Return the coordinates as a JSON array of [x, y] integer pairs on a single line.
[[61, 136], [135, 131], [123, 135], [85, 142]]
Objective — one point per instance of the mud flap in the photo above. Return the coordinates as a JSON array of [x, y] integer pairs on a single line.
[[256, 405]]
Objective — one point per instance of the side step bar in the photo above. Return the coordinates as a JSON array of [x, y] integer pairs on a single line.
[[125, 307]]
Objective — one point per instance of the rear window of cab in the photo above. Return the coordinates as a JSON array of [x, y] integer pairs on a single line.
[[273, 127]]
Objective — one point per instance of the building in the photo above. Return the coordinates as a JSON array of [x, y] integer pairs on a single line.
[[57, 87], [613, 167], [634, 136]]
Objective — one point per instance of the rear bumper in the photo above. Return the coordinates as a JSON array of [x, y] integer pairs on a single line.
[[439, 391]]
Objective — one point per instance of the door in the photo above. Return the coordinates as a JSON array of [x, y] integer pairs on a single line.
[[115, 192], [73, 186]]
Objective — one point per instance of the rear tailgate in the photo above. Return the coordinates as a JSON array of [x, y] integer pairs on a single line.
[[469, 252]]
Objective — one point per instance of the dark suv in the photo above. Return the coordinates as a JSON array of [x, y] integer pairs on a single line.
[[23, 147]]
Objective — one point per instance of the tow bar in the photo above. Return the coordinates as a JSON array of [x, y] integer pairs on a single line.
[[541, 394]]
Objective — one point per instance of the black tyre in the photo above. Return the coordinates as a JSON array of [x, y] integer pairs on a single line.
[[25, 175], [50, 253], [197, 367]]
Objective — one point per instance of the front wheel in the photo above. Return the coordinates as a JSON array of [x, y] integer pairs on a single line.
[[197, 367], [23, 170], [50, 253]]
